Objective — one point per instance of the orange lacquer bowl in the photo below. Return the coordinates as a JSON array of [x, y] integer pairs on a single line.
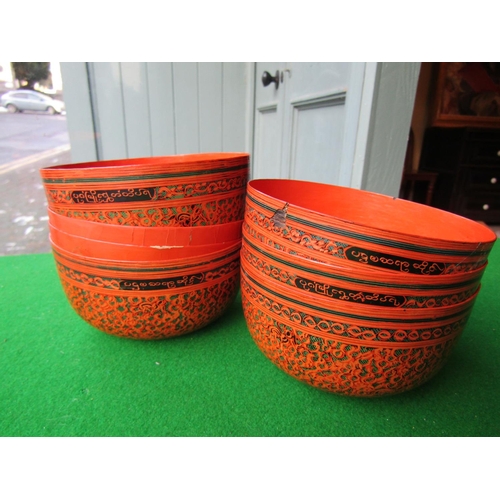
[[181, 190], [332, 223], [349, 351], [150, 299], [353, 287]]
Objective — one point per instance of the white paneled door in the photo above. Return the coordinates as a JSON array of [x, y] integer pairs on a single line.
[[306, 120]]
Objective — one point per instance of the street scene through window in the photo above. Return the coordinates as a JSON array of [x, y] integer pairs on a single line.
[[33, 135]]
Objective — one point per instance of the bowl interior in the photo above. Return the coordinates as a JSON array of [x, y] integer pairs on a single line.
[[372, 211]]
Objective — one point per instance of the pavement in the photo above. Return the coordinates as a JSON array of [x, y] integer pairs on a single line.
[[28, 142], [23, 206]]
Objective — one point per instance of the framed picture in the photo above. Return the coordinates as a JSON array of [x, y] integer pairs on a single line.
[[467, 95]]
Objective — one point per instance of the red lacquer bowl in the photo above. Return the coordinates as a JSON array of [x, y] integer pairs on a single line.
[[147, 236], [345, 352], [331, 223], [149, 300], [182, 190], [358, 309], [105, 250], [345, 286]]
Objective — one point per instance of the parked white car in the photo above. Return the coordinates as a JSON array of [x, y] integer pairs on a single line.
[[30, 100]]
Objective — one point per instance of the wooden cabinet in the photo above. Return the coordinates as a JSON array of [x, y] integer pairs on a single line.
[[467, 161]]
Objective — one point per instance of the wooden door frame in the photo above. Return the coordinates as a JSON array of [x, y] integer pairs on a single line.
[[385, 119]]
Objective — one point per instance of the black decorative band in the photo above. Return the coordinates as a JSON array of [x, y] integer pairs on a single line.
[[393, 262], [113, 195], [376, 299], [145, 284]]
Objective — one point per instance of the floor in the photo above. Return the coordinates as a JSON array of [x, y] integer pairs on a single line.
[[23, 206]]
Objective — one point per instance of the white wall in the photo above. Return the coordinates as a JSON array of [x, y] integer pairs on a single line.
[[387, 105], [151, 109]]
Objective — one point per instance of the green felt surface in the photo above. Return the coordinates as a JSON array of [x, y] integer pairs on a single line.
[[61, 377]]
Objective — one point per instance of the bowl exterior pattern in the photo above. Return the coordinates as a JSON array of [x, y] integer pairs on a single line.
[[353, 292], [149, 303], [335, 285], [328, 243], [223, 210], [144, 196], [341, 356]]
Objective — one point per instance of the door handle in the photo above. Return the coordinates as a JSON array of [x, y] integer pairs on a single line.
[[267, 79]]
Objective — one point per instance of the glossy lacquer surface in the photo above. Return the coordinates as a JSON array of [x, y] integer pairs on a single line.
[[354, 292]]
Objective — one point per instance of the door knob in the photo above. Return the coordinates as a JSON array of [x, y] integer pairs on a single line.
[[267, 79]]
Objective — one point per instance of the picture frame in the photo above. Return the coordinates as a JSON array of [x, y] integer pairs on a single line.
[[467, 95]]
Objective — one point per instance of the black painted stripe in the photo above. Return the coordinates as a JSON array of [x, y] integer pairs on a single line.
[[409, 320], [234, 253], [142, 177], [409, 286]]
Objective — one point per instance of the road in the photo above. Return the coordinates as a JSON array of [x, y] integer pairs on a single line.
[[28, 142], [26, 134]]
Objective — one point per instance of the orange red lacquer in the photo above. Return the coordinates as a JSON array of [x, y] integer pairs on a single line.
[[149, 248]]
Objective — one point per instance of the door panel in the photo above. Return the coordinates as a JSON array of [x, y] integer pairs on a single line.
[[185, 79], [210, 91], [109, 110], [137, 109], [236, 77], [160, 91], [267, 152], [316, 78], [306, 135], [315, 141]]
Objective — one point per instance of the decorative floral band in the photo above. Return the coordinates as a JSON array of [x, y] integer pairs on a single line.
[[294, 275], [222, 211], [331, 329], [63, 195], [280, 293], [315, 246], [321, 288]]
